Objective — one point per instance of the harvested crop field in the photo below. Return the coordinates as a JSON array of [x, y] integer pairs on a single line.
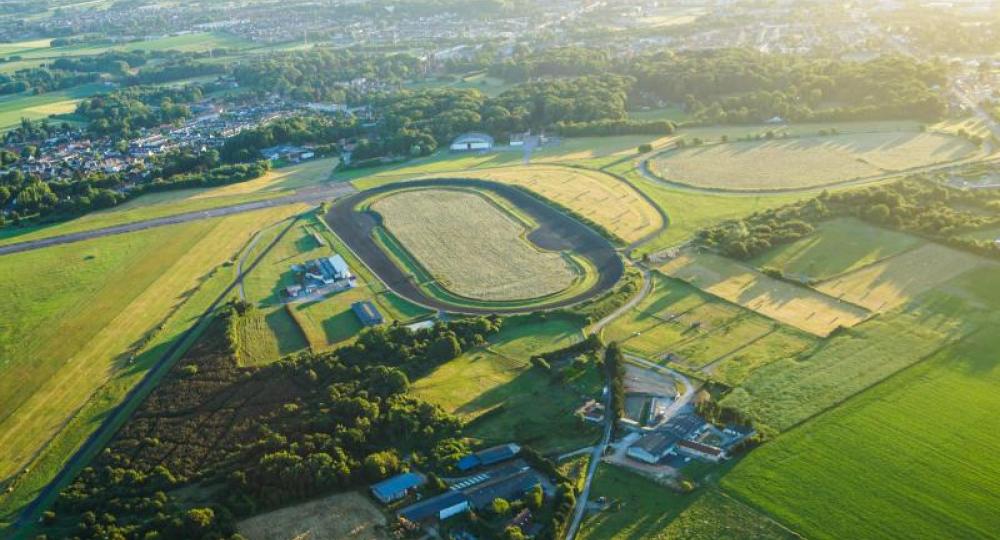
[[346, 515], [599, 197], [472, 247], [800, 307], [807, 162], [897, 280]]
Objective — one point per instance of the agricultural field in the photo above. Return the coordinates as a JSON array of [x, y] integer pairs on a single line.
[[807, 162], [277, 182], [502, 397], [837, 247], [598, 197], [118, 303], [337, 516], [717, 515], [909, 458], [14, 107], [895, 281], [794, 305], [780, 342], [647, 508], [788, 391], [472, 247]]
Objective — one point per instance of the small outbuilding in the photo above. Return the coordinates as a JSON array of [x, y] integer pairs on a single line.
[[703, 451], [395, 488], [472, 142], [367, 313]]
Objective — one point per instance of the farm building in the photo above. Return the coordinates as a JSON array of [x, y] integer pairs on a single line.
[[395, 488], [287, 152], [440, 507], [367, 313], [685, 426], [701, 451], [517, 139], [472, 142], [509, 488], [489, 456], [653, 447]]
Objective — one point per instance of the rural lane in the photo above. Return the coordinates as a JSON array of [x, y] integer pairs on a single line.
[[311, 195]]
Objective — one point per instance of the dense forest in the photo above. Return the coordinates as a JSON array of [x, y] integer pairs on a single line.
[[252, 438], [918, 206]]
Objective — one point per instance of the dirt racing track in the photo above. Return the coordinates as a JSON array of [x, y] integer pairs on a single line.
[[555, 232]]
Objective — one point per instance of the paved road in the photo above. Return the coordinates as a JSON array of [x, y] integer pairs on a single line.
[[312, 195], [598, 451]]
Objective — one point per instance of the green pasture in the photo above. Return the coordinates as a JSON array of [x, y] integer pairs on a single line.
[[910, 458], [716, 515], [837, 247], [14, 107], [502, 397], [640, 508]]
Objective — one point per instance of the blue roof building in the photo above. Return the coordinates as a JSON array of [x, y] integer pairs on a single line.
[[397, 487], [367, 313], [489, 456], [441, 507]]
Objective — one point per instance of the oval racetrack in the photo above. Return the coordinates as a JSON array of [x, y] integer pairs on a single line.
[[556, 231]]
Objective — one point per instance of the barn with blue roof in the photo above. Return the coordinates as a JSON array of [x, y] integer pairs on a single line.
[[395, 488], [489, 456]]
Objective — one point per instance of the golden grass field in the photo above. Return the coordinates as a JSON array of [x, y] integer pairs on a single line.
[[807, 162], [345, 515], [471, 246], [597, 196], [96, 320], [895, 281], [796, 306]]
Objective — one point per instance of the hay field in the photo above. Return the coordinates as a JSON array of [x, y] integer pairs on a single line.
[[897, 280], [345, 515], [800, 307], [594, 195], [64, 337], [910, 458], [837, 247], [807, 162], [473, 248]]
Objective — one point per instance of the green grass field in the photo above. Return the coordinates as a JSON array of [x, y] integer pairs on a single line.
[[503, 398], [14, 107], [647, 508], [807, 162], [910, 458], [837, 247], [275, 183], [67, 339], [472, 247]]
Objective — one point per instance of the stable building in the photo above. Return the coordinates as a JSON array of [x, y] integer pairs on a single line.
[[703, 451], [472, 142], [653, 447], [489, 456], [439, 508], [397, 487]]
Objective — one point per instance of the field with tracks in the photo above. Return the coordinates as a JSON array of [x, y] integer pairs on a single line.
[[346, 515], [471, 247], [910, 458], [797, 306], [808, 161]]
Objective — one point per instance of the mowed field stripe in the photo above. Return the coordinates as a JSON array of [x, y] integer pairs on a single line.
[[93, 363]]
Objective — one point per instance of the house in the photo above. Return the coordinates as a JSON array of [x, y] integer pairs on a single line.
[[653, 447], [472, 142], [395, 488], [293, 291], [699, 450], [367, 313], [440, 507], [517, 139], [489, 456]]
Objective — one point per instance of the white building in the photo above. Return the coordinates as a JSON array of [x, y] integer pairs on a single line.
[[472, 142], [653, 447]]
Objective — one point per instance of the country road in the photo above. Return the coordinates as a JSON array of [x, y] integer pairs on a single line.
[[311, 195]]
